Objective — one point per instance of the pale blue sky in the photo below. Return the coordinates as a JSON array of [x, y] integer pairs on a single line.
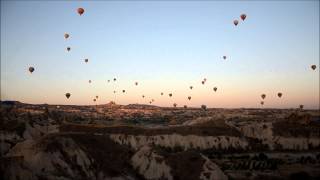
[[166, 46]]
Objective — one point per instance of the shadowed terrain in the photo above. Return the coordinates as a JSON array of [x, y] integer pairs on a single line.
[[148, 142]]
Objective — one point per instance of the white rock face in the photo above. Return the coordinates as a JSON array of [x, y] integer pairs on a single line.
[[150, 165], [46, 163], [263, 131], [211, 171], [186, 142]]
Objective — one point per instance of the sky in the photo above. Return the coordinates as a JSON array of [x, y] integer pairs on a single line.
[[166, 46]]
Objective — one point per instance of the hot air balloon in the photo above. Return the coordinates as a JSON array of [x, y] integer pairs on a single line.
[[185, 106], [215, 89], [205, 79], [89, 81], [202, 82], [263, 96], [94, 100], [114, 79], [152, 100], [114, 91], [279, 94], [262, 103], [86, 60], [123, 91], [204, 107], [68, 95], [301, 106], [170, 95], [313, 67], [174, 104], [68, 48], [136, 83], [108, 80], [161, 93], [191, 87], [66, 35], [97, 97], [80, 11], [31, 69], [235, 22], [243, 16], [224, 57], [142, 96], [189, 97]]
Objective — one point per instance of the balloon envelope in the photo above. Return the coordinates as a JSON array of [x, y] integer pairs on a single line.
[[66, 35], [243, 16], [235, 22], [80, 11], [215, 89], [31, 69], [68, 95]]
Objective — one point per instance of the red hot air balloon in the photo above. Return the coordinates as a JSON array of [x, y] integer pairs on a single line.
[[80, 11], [31, 69], [235, 22], [263, 96], [66, 35], [279, 94], [243, 16], [313, 67], [68, 95]]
